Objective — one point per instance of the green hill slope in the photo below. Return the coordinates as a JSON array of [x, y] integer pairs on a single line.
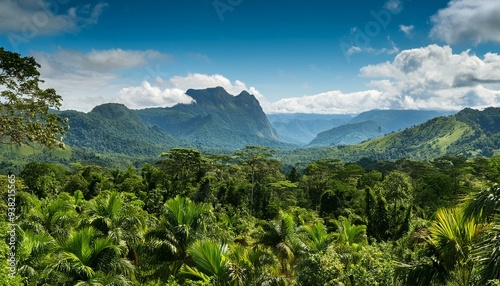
[[302, 128], [113, 128], [348, 134], [468, 133]]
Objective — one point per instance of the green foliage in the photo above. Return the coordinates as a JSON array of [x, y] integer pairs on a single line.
[[337, 224], [24, 106]]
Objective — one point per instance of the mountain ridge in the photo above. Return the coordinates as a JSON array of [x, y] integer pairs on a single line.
[[359, 128]]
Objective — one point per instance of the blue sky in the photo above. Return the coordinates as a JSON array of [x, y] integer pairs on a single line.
[[313, 56]]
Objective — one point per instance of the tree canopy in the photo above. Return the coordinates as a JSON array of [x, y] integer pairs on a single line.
[[25, 116]]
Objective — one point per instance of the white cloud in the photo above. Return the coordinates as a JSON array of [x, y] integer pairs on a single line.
[[85, 80], [395, 6], [434, 77], [147, 95], [431, 77], [474, 21], [28, 18], [372, 51], [331, 102], [407, 30]]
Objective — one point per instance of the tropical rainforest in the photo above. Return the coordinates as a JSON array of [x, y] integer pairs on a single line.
[[243, 219]]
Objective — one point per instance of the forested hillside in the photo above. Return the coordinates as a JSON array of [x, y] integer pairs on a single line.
[[113, 128], [349, 134], [468, 133], [194, 219]]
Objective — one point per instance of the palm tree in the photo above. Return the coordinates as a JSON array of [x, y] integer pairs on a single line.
[[120, 218], [117, 219], [279, 235], [349, 234], [316, 236], [253, 266], [212, 264], [32, 252], [451, 236], [56, 217], [487, 254], [483, 205], [218, 264], [179, 227], [84, 256]]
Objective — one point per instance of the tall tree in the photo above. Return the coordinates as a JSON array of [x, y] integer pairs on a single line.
[[24, 106], [253, 156]]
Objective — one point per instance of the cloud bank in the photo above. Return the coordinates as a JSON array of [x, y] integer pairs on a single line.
[[474, 21], [30, 18], [431, 77], [87, 79]]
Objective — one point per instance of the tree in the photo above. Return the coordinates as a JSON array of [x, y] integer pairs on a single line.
[[484, 205], [279, 234], [119, 216], [24, 106], [487, 253], [85, 256], [349, 234], [211, 261], [316, 236], [448, 246], [183, 166], [253, 156], [179, 226]]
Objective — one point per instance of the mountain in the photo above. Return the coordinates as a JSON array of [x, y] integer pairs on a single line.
[[216, 119], [372, 124], [396, 120], [349, 134], [113, 128], [468, 133], [301, 128]]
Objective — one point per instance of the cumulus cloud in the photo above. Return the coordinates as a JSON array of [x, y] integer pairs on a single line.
[[85, 80], [434, 77], [372, 51], [395, 6], [147, 95], [431, 77], [407, 30], [467, 20], [331, 102], [169, 92], [28, 18]]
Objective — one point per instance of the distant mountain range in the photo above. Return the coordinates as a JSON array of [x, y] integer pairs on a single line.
[[302, 128], [467, 133], [217, 120], [373, 124]]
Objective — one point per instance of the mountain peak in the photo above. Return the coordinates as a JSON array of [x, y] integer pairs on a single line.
[[112, 110], [213, 94]]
